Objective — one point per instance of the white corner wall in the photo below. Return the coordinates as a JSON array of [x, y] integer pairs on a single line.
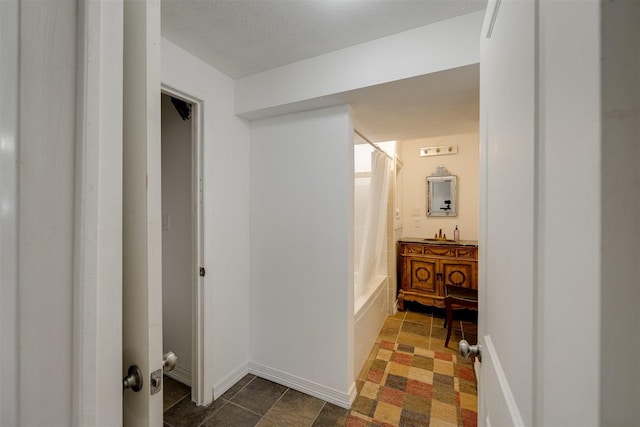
[[302, 252], [465, 165], [226, 214]]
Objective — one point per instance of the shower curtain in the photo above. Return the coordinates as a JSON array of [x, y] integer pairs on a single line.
[[375, 223]]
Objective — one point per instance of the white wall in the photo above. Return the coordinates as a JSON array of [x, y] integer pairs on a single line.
[[226, 221], [319, 81], [177, 240], [465, 165], [302, 252]]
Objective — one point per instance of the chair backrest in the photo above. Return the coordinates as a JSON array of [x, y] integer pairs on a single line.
[[460, 293]]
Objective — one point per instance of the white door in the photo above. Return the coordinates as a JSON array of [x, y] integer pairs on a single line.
[[142, 235], [507, 157]]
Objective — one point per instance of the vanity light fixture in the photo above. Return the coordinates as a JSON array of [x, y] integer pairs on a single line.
[[439, 151]]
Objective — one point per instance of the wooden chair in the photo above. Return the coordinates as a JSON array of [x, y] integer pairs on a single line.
[[457, 297]]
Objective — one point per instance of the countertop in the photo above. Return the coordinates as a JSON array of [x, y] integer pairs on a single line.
[[438, 242]]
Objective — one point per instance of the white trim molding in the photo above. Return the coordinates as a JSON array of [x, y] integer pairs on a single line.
[[200, 379], [230, 380], [311, 388], [181, 375], [494, 362], [9, 164], [97, 278]]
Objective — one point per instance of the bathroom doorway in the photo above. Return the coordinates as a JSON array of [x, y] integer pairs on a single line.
[[182, 242]]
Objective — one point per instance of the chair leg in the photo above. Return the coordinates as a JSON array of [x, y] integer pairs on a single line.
[[449, 324]]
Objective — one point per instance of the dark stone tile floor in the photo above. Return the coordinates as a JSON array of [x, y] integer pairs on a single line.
[[252, 401]]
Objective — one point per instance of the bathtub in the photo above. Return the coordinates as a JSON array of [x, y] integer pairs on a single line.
[[370, 312]]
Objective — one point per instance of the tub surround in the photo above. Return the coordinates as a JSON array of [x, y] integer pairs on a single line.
[[369, 315], [427, 265]]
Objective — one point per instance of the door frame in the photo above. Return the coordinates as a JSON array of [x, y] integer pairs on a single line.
[[9, 171], [97, 258], [199, 330]]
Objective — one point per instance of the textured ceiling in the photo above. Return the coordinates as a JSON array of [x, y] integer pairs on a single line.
[[437, 104], [244, 37]]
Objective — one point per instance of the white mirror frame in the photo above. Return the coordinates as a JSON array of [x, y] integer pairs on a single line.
[[436, 205]]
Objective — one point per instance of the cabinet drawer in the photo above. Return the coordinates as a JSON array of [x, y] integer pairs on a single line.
[[412, 249], [469, 253], [447, 251]]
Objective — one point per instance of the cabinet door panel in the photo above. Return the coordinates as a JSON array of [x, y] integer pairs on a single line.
[[458, 273], [423, 275]]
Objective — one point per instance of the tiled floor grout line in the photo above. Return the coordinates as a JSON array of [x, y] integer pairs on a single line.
[[203, 422], [228, 402], [247, 409], [430, 330], [276, 402], [242, 388], [404, 316], [175, 403], [318, 414]]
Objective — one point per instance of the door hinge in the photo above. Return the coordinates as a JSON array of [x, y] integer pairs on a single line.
[[202, 271]]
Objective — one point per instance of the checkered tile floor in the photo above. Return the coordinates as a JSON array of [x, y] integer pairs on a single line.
[[414, 385]]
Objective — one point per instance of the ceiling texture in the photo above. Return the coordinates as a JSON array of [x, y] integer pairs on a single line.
[[245, 37]]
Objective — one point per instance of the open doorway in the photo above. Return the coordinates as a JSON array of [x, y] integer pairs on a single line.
[[181, 246], [433, 120]]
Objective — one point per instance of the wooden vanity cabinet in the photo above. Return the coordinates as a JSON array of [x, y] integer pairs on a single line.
[[426, 267]]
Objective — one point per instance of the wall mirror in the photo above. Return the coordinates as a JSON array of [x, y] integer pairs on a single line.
[[442, 193]]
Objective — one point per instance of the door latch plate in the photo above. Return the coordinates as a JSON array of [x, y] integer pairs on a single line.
[[156, 381]]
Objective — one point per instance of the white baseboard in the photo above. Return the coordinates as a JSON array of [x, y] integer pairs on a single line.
[[230, 380], [181, 375], [344, 400], [353, 393]]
